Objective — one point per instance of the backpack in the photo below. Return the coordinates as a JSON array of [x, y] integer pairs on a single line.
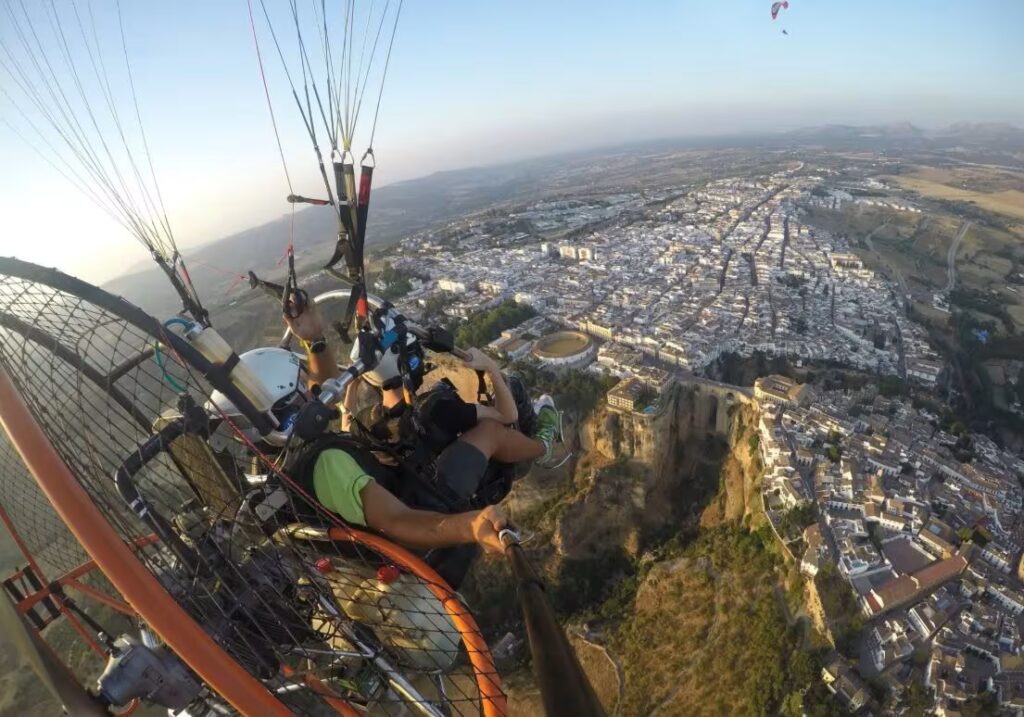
[[410, 436], [302, 463]]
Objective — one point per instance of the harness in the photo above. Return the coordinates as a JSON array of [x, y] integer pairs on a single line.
[[302, 463], [407, 435]]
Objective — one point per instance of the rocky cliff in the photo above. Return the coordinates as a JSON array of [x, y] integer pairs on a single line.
[[644, 476], [650, 503]]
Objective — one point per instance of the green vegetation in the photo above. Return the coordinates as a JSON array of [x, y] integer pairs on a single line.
[[753, 443], [892, 386], [600, 586], [645, 398], [984, 302], [742, 371], [434, 307], [792, 523], [398, 281], [573, 390], [841, 609], [486, 326], [973, 535], [918, 700], [716, 663]]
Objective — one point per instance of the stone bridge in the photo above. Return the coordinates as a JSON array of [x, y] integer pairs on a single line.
[[712, 401]]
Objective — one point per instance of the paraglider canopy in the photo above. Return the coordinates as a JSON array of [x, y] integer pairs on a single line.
[[777, 6]]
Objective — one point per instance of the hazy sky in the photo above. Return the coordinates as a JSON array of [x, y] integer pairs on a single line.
[[476, 83]]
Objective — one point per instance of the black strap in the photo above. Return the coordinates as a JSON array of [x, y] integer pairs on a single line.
[[229, 365], [363, 206], [346, 246], [293, 299], [273, 290]]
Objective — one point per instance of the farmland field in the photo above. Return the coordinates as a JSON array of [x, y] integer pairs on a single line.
[[931, 183]]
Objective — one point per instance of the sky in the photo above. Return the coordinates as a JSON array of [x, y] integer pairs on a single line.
[[474, 83]]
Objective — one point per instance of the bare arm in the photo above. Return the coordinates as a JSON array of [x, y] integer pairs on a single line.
[[349, 403], [427, 529], [308, 326], [322, 365], [504, 409]]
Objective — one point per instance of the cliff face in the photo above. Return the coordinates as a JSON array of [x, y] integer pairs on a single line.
[[636, 482], [739, 494], [634, 476], [645, 475]]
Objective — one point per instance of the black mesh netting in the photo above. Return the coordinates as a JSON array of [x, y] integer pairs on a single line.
[[309, 614]]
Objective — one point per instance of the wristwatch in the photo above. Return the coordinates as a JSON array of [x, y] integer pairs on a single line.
[[316, 345]]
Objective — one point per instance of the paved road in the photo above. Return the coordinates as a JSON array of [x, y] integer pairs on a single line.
[[951, 257]]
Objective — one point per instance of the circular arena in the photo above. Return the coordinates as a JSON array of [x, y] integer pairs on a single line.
[[564, 348]]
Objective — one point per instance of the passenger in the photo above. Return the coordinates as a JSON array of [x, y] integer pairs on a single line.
[[462, 437], [445, 448], [351, 482], [346, 477]]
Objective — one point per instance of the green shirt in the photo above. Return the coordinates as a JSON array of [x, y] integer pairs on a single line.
[[338, 481]]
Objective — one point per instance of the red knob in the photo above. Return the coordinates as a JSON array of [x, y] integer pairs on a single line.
[[388, 574], [323, 566]]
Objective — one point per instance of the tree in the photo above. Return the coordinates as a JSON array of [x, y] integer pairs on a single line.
[[793, 705], [753, 443], [398, 282], [486, 326], [890, 386], [917, 700]]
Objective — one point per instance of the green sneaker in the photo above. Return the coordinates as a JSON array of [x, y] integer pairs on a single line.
[[548, 430]]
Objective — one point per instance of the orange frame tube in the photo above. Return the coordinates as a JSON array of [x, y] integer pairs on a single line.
[[9, 524], [70, 580], [119, 563], [75, 623], [493, 700]]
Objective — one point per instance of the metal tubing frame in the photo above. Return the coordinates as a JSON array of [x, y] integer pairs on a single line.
[[70, 580], [73, 620], [493, 700], [117, 560], [138, 318]]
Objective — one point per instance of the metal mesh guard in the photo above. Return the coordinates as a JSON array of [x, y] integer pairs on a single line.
[[316, 633]]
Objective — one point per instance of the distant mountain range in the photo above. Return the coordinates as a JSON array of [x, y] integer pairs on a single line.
[[995, 136], [407, 207], [396, 211]]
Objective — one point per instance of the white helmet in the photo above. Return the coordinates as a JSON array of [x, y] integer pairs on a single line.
[[277, 370]]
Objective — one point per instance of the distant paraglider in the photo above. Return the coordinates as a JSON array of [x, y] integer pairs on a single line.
[[776, 7], [785, 32]]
